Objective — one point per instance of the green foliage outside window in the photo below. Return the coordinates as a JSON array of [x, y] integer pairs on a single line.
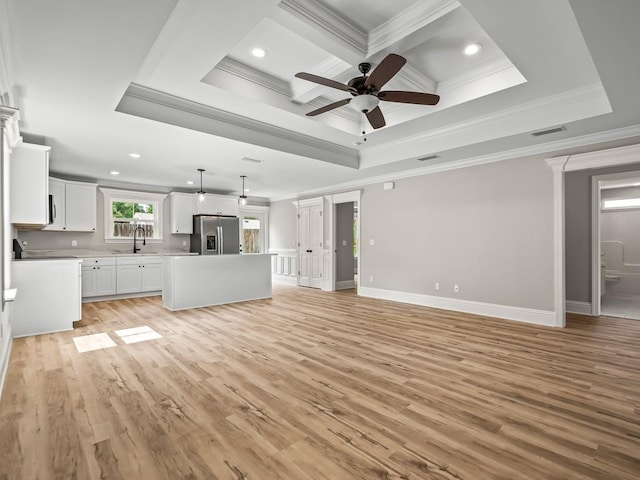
[[128, 209]]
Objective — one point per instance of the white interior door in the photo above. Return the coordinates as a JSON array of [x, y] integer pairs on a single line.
[[310, 245], [304, 250], [315, 245]]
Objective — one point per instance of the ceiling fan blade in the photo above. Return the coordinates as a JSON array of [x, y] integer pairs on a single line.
[[418, 98], [387, 68], [326, 108], [327, 82], [375, 117]]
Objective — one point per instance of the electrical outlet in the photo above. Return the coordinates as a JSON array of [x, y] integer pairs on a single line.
[[184, 243], [456, 288], [372, 241], [371, 279], [437, 286], [74, 243]]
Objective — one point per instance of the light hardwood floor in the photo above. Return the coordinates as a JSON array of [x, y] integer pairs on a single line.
[[315, 385]]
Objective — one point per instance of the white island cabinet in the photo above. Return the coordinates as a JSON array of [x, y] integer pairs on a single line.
[[48, 298], [203, 280]]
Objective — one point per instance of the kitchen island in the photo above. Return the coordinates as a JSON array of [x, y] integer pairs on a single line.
[[203, 280]]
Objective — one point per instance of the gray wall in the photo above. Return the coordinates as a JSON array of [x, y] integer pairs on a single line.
[[44, 240], [488, 228], [282, 225], [578, 230], [344, 234]]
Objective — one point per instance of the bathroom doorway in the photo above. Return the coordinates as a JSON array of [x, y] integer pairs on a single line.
[[616, 244]]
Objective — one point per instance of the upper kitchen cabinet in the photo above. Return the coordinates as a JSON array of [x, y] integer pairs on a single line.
[[217, 205], [29, 177], [182, 210], [73, 206]]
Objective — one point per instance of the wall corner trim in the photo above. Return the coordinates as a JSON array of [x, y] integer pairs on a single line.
[[507, 312]]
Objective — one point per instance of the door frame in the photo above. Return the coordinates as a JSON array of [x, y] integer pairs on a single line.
[[596, 201], [561, 165], [354, 196], [264, 229]]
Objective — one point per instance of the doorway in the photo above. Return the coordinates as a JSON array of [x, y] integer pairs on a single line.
[[616, 250], [346, 245], [254, 225]]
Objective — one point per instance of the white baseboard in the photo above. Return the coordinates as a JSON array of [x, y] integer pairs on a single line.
[[520, 314], [583, 308], [345, 284], [285, 279], [4, 364]]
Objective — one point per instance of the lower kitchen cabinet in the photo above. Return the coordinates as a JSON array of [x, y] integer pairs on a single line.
[[98, 276], [138, 274], [48, 296]]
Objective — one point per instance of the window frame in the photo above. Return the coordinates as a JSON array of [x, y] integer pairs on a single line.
[[113, 195]]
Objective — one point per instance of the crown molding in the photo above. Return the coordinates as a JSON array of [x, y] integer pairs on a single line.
[[568, 106], [321, 17], [408, 21], [9, 118], [413, 79], [483, 71], [303, 90], [253, 75], [160, 106], [542, 149]]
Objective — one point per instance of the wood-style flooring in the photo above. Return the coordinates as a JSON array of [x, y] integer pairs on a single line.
[[317, 385]]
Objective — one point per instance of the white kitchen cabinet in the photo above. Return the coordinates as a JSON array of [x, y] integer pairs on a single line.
[[138, 274], [74, 206], [151, 276], [98, 276], [29, 180], [182, 209], [48, 298], [217, 205]]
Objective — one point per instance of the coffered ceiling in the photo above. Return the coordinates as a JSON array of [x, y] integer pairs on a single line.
[[176, 82]]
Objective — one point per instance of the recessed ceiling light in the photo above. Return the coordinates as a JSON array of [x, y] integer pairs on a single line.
[[114, 172], [248, 190], [189, 182], [135, 155], [258, 52], [472, 49]]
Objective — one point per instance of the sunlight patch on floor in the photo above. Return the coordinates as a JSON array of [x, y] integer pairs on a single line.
[[137, 334], [97, 341]]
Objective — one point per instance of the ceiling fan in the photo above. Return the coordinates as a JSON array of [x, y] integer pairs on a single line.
[[366, 90]]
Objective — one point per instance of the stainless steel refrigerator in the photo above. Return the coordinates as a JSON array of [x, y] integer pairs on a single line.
[[215, 235]]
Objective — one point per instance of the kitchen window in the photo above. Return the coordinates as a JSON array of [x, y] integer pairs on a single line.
[[126, 210]]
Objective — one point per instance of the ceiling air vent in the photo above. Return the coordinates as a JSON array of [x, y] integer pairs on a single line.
[[251, 160], [551, 130], [428, 157]]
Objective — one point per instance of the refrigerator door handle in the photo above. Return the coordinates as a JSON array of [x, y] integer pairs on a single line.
[[221, 243]]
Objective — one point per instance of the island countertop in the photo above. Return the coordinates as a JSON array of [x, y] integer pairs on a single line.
[[204, 280]]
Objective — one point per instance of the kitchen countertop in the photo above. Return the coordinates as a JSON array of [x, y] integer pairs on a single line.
[[85, 253]]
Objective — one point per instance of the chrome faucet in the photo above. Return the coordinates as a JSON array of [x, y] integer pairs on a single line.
[[144, 237]]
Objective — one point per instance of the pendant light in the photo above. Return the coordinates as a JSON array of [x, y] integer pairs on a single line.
[[243, 198], [201, 192]]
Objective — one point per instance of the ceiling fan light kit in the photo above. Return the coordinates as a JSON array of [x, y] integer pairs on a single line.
[[366, 90]]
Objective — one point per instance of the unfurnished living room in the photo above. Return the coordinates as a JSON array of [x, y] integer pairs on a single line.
[[319, 240]]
